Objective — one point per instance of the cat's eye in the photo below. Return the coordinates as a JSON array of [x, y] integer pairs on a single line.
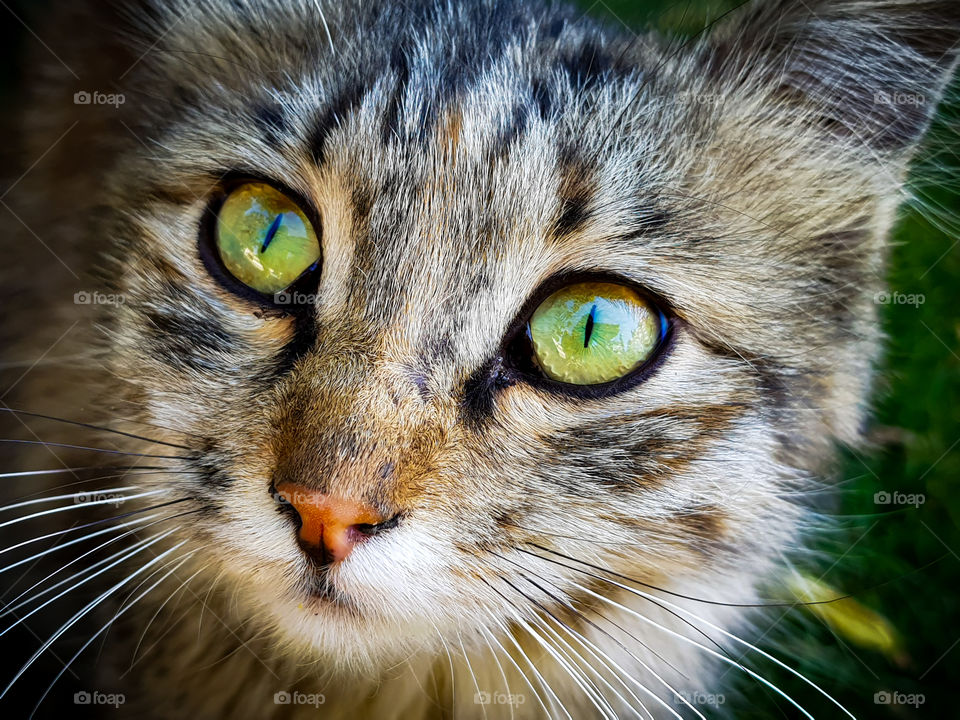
[[264, 239], [590, 333]]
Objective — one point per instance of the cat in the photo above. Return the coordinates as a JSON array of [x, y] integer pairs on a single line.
[[328, 265]]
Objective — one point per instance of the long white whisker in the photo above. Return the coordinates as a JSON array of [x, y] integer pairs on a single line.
[[107, 625], [674, 608], [181, 586], [503, 675], [86, 609], [9, 605], [703, 647], [599, 675], [575, 673], [543, 683], [518, 618], [112, 528], [453, 686], [77, 506], [68, 496], [57, 533], [125, 554], [58, 471], [536, 694], [472, 674], [643, 664], [733, 637]]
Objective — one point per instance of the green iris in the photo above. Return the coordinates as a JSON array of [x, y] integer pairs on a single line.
[[264, 239], [593, 332]]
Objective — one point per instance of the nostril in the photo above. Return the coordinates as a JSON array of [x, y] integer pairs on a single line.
[[375, 528], [328, 526]]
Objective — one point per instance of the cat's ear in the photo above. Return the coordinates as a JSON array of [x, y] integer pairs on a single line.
[[873, 70]]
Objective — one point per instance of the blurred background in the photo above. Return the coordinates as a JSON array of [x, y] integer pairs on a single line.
[[896, 544]]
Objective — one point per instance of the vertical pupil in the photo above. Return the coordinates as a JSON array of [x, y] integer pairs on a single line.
[[271, 233], [588, 330]]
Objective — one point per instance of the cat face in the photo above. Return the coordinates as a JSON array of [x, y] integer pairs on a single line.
[[455, 175]]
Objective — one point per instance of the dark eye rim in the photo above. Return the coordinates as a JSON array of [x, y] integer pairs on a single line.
[[210, 256], [519, 360]]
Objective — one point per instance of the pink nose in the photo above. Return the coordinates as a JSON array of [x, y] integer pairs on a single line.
[[330, 527]]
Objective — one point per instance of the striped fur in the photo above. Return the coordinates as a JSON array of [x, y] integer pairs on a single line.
[[459, 155]]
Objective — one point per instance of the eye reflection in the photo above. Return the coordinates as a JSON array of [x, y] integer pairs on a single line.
[[264, 239], [593, 332]]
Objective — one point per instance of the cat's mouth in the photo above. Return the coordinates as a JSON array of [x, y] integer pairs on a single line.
[[320, 586]]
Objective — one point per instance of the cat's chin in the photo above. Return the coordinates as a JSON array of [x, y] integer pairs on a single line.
[[334, 628]]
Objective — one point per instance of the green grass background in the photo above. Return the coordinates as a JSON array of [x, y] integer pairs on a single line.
[[883, 556], [902, 563]]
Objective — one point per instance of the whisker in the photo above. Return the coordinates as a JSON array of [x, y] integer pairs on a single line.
[[107, 625], [78, 506], [124, 555], [586, 619], [91, 426], [518, 618], [60, 471], [181, 586], [617, 626], [114, 518], [171, 626], [548, 613], [703, 647], [476, 684], [735, 638], [55, 548], [51, 498], [115, 476], [576, 636], [674, 609], [705, 601], [9, 608], [509, 657], [80, 614], [503, 675], [93, 449], [551, 695]]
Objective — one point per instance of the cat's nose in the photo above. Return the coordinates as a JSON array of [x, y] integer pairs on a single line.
[[330, 527]]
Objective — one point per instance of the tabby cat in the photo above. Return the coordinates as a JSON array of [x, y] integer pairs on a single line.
[[434, 359]]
